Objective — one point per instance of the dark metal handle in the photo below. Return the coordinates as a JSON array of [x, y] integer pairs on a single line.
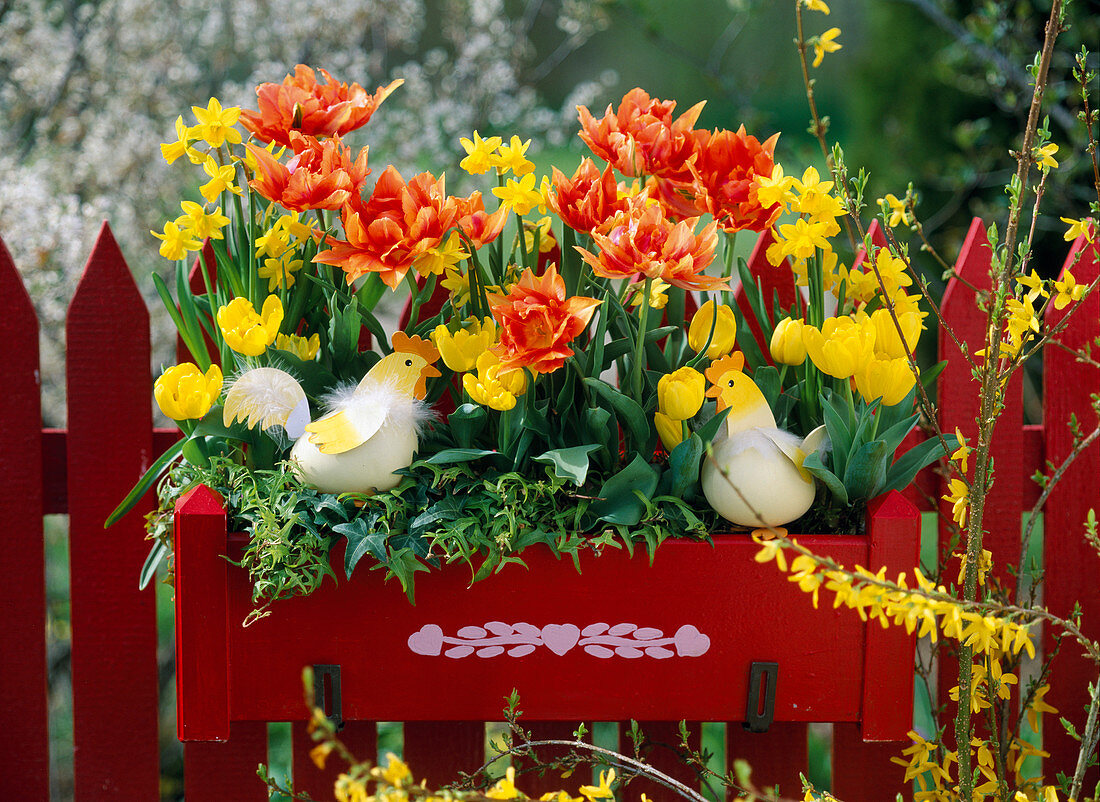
[[328, 699], [759, 717]]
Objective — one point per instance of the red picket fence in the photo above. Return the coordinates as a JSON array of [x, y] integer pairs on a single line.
[[110, 440]]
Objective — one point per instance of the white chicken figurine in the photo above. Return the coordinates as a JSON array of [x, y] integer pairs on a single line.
[[370, 432], [756, 476]]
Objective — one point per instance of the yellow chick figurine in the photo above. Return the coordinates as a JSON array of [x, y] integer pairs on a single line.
[[370, 432], [756, 477]]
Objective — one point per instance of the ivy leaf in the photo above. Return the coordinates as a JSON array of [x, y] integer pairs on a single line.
[[449, 508], [569, 463], [363, 538], [449, 456]]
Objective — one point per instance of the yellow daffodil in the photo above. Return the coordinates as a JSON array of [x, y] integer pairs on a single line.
[[303, 348], [680, 393], [176, 241], [826, 43], [1078, 228], [776, 188], [786, 344], [479, 158], [544, 227], [203, 224], [1044, 156], [183, 392], [216, 124], [435, 260], [513, 156], [280, 271], [658, 293], [670, 431], [274, 243], [802, 238], [721, 319], [221, 179], [461, 349], [897, 214], [245, 331], [959, 499], [182, 146], [888, 379], [1067, 290], [962, 453], [457, 284], [521, 196], [396, 773], [841, 347]]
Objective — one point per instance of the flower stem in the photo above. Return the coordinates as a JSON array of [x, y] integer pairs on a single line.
[[639, 348]]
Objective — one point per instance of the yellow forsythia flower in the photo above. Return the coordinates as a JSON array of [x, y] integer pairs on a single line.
[[888, 379], [670, 431], [302, 348], [350, 790], [183, 392], [786, 344], [1067, 290], [725, 330], [461, 349], [959, 499], [841, 347], [396, 772], [246, 332], [506, 787], [826, 43], [680, 393]]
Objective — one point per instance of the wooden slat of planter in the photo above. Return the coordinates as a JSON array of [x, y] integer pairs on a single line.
[[776, 756], [437, 751], [109, 445], [216, 772], [1071, 563], [863, 772], [23, 708], [531, 783], [662, 753], [361, 739]]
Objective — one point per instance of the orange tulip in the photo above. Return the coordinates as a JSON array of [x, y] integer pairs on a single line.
[[537, 322], [588, 199], [641, 138], [642, 240], [302, 104], [320, 175], [725, 174]]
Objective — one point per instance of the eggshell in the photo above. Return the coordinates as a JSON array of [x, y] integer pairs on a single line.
[[366, 468], [770, 483]]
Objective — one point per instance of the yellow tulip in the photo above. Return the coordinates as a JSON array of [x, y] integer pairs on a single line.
[[680, 393], [183, 392], [888, 379], [460, 350], [246, 332], [490, 388], [303, 348], [841, 346], [888, 343], [725, 330], [786, 345], [670, 431]]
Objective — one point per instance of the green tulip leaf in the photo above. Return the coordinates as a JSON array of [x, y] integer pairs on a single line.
[[626, 409], [814, 465], [621, 497], [866, 470], [904, 470], [683, 466], [466, 423]]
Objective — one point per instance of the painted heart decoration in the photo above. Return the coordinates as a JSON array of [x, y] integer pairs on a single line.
[[690, 642], [427, 641], [560, 638]]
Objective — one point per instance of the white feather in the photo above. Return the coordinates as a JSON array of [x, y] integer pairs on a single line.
[[265, 397]]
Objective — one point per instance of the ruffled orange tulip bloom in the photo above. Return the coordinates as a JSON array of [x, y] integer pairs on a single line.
[[302, 104], [537, 322], [725, 172], [320, 175], [642, 240], [641, 138], [587, 200], [477, 224]]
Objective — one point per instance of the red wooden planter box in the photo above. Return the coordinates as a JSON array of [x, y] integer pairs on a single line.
[[674, 640]]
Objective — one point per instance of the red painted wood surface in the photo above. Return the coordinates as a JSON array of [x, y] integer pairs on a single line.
[[438, 751], [217, 772], [360, 738], [707, 588], [110, 444], [863, 772], [23, 710], [776, 757], [1071, 563]]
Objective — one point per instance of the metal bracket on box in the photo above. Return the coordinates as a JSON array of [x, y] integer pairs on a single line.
[[760, 710], [326, 693]]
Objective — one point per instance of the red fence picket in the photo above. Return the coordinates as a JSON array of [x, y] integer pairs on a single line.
[[88, 468]]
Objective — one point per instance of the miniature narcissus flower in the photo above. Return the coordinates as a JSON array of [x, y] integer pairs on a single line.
[[183, 392], [721, 333], [245, 331]]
